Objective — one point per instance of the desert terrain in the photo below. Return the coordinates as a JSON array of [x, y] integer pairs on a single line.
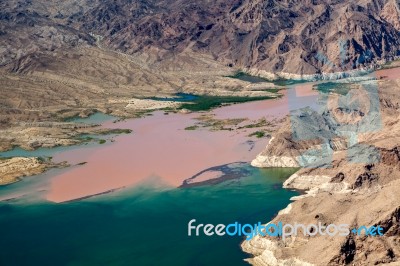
[[355, 188], [65, 59]]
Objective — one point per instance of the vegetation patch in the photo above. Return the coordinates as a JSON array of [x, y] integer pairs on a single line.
[[115, 131], [257, 134], [191, 128], [86, 138], [261, 123], [219, 124], [41, 159]]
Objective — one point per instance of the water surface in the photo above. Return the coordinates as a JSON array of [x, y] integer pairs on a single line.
[[160, 147], [145, 225], [179, 97]]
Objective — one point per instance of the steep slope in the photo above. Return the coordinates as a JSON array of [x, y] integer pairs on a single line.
[[352, 190], [284, 36], [289, 36]]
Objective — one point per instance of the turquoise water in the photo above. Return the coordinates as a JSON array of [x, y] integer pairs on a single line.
[[279, 82], [96, 118], [50, 152], [41, 152], [246, 77], [146, 225], [337, 87], [179, 97]]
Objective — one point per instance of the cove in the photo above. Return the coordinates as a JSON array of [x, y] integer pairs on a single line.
[[178, 97], [96, 118], [255, 79]]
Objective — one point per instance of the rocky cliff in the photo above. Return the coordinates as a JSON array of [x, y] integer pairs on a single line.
[[348, 191]]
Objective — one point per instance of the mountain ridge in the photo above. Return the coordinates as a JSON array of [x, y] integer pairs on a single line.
[[285, 36]]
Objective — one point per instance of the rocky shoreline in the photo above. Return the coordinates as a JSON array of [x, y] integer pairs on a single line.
[[13, 169], [34, 135], [382, 64], [352, 193]]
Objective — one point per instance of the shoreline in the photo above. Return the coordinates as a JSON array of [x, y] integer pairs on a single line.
[[13, 170], [96, 130], [110, 127], [131, 208], [324, 76], [339, 195]]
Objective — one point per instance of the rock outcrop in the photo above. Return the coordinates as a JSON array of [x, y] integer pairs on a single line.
[[267, 38], [11, 170], [349, 191]]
